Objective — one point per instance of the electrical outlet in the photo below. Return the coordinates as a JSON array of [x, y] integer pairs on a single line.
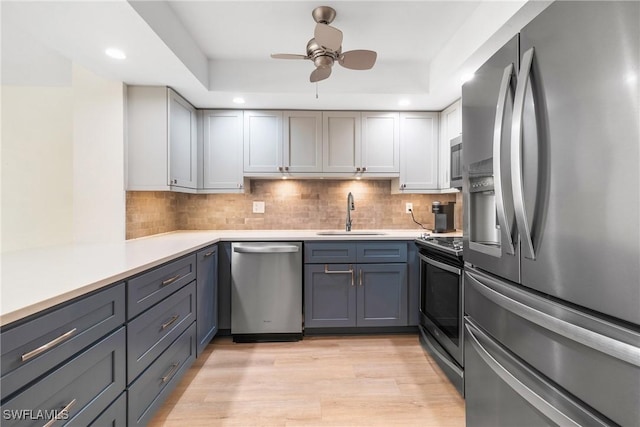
[[408, 208], [258, 207]]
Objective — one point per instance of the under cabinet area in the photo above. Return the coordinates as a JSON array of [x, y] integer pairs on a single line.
[[355, 284]]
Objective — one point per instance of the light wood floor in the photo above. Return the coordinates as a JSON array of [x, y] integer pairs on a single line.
[[368, 380]]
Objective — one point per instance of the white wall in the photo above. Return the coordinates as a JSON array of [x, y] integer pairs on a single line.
[[37, 166], [62, 153], [98, 158]]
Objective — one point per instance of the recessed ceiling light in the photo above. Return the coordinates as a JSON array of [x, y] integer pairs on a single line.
[[466, 77], [114, 53], [238, 100], [404, 102]]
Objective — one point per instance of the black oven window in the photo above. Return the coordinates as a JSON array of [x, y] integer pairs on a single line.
[[441, 301]]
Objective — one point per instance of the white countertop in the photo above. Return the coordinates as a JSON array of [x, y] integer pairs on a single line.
[[36, 279]]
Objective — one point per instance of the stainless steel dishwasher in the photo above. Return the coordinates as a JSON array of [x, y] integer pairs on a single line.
[[266, 291]]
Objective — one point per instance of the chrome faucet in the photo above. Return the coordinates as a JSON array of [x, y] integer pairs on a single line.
[[350, 207]]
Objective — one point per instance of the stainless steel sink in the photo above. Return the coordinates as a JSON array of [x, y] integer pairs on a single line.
[[350, 233]]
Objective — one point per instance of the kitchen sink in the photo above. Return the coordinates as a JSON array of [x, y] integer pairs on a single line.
[[350, 233]]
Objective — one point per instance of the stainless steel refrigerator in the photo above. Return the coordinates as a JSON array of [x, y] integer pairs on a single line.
[[551, 186]]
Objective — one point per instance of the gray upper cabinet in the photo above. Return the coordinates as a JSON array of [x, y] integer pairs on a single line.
[[341, 142], [418, 153], [161, 140], [302, 150], [262, 141], [380, 152], [222, 151], [450, 127], [183, 142]]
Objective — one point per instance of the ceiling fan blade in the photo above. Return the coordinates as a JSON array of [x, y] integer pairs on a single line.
[[288, 56], [320, 73], [328, 36], [358, 59]]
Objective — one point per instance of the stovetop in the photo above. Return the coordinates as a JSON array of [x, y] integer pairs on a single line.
[[452, 245]]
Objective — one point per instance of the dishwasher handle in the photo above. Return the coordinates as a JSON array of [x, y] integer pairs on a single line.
[[266, 249]]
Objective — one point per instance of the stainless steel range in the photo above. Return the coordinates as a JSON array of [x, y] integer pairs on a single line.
[[441, 299]]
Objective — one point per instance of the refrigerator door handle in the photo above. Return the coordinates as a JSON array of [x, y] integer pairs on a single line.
[[599, 342], [517, 382], [516, 156], [497, 161]]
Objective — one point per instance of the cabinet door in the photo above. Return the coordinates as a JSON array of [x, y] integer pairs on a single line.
[[207, 297], [419, 151], [222, 140], [382, 295], [329, 295], [341, 142], [183, 142], [302, 141], [450, 127], [262, 141], [380, 143]]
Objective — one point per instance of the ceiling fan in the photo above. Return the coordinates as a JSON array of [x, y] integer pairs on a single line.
[[326, 47]]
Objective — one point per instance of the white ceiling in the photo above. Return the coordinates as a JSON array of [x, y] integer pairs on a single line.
[[212, 51]]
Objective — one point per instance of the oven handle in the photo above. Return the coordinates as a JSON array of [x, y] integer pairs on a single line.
[[441, 265]]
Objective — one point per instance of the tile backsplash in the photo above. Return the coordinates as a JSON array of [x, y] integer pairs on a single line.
[[289, 204]]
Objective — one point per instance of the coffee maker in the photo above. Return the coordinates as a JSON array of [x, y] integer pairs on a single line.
[[443, 222]]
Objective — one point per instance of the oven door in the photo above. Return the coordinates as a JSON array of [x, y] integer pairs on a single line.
[[441, 304]]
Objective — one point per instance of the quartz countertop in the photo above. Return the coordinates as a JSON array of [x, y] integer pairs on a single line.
[[37, 279]]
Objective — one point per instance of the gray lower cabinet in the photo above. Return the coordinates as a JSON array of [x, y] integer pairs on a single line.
[[77, 392], [150, 390], [115, 415], [207, 296], [370, 290]]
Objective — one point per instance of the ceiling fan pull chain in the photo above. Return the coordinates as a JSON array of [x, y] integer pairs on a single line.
[[316, 90]]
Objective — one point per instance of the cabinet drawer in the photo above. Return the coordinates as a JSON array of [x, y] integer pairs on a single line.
[[33, 348], [154, 330], [86, 385], [151, 389], [114, 416], [382, 252], [153, 286], [329, 253]]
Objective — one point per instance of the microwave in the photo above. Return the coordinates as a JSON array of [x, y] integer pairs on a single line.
[[456, 162]]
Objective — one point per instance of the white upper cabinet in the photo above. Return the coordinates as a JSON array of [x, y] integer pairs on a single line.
[[419, 153], [380, 143], [161, 140], [302, 150], [222, 151], [183, 142], [341, 142], [262, 142], [450, 127]]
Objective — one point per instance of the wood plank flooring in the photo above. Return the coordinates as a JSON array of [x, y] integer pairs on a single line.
[[373, 380]]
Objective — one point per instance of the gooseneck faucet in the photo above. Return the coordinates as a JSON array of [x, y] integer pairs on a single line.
[[350, 207]]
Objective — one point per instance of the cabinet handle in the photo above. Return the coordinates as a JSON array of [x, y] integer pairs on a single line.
[[62, 338], [61, 414], [357, 169], [171, 280], [172, 370], [360, 278], [364, 169], [239, 185], [170, 322], [286, 168], [349, 271], [208, 254], [280, 168]]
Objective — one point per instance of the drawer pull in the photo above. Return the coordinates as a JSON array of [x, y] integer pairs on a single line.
[[171, 372], [62, 338], [60, 415], [360, 278], [208, 254], [170, 322], [171, 280], [349, 271]]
